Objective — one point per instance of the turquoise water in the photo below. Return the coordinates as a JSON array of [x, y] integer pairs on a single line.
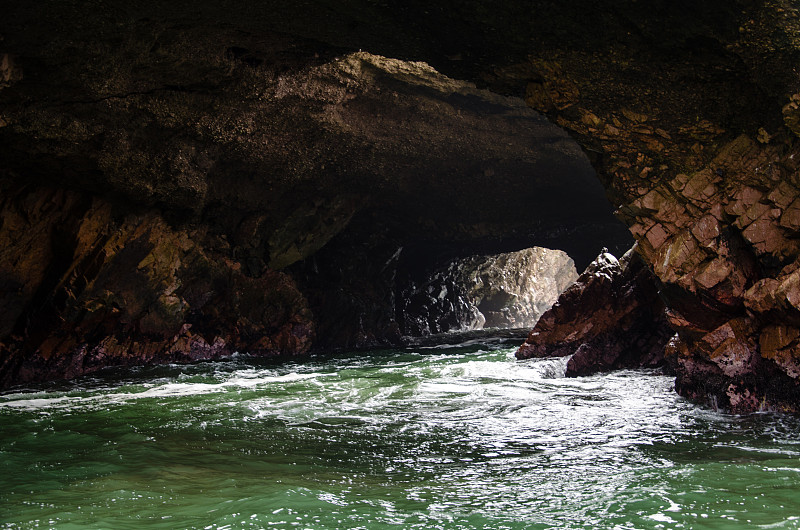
[[439, 437]]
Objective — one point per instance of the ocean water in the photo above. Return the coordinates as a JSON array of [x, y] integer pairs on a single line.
[[457, 436]]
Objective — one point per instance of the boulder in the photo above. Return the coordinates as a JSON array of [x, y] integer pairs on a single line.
[[508, 290], [611, 317]]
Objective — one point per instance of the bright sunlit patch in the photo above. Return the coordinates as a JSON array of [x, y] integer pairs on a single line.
[[661, 517]]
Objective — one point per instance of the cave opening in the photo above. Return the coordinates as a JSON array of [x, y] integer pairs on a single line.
[[501, 291], [423, 256], [497, 199]]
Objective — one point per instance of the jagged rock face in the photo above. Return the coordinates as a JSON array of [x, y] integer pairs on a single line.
[[84, 289], [712, 209], [730, 272], [509, 290], [611, 317]]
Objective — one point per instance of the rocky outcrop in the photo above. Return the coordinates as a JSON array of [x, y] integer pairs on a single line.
[[712, 212], [85, 288], [701, 160], [509, 290], [610, 318], [731, 276]]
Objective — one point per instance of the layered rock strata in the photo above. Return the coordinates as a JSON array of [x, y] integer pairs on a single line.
[[702, 162], [611, 317], [716, 217]]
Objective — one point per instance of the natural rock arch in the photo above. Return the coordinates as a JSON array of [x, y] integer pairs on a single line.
[[269, 216]]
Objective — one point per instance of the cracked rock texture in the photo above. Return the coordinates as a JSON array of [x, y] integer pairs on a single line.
[[704, 171], [262, 123]]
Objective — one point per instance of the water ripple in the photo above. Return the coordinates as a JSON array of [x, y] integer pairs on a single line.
[[461, 436]]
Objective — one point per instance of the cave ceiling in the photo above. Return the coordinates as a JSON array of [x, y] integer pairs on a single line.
[[229, 111], [225, 110]]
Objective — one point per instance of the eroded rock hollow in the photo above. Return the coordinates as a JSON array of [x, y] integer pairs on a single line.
[[266, 214], [181, 181]]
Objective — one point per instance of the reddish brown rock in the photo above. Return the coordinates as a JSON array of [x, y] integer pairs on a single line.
[[610, 318], [86, 288], [717, 221], [726, 253]]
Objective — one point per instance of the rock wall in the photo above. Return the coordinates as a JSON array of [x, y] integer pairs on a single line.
[[175, 214], [612, 317], [84, 288], [712, 208], [509, 290]]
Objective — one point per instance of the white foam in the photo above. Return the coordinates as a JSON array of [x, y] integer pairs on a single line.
[[244, 379]]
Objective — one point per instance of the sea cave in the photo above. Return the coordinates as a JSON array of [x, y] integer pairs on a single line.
[[362, 264]]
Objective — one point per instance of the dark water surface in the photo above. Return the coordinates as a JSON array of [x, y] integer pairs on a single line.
[[458, 436]]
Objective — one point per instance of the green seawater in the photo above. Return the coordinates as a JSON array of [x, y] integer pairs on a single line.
[[462, 437]]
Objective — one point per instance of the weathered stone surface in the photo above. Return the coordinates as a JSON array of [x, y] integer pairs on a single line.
[[728, 279], [85, 288], [610, 318], [713, 210]]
